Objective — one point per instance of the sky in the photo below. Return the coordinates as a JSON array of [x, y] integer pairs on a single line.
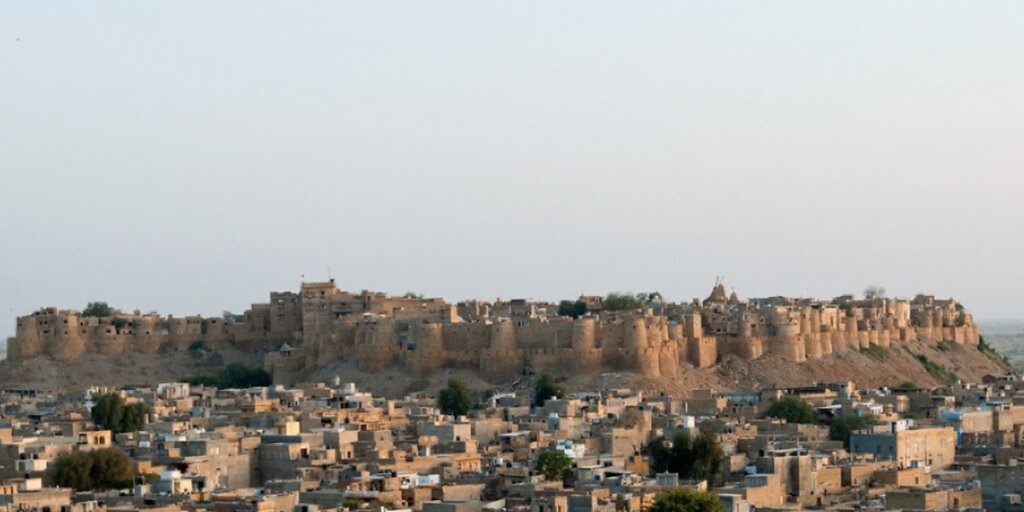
[[191, 157]]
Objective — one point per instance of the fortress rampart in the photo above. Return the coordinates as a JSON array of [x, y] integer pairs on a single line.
[[321, 324]]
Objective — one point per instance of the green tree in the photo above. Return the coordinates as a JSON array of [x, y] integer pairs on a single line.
[[107, 411], [874, 292], [98, 309], [574, 309], [106, 468], [234, 376], [847, 308], [546, 388], [620, 301], [455, 399], [203, 380], [908, 385], [134, 417], [111, 469], [842, 428], [553, 464], [793, 409], [238, 375], [687, 500], [72, 470], [692, 457], [111, 412]]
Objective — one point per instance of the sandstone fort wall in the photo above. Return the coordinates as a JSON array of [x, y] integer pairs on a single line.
[[320, 325]]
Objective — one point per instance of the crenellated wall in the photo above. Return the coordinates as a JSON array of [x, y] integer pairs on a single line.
[[318, 326]]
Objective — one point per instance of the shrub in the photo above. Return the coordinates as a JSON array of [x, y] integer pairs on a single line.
[[993, 354], [937, 370], [198, 346], [875, 351]]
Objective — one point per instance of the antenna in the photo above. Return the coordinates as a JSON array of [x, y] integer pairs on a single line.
[[329, 276]]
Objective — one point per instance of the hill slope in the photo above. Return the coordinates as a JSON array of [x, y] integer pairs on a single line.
[[926, 364]]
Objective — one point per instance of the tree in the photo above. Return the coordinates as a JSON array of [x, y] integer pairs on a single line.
[[707, 457], [106, 468], [233, 376], [111, 469], [689, 457], [72, 470], [107, 410], [553, 464], [98, 309], [793, 409], [238, 375], [874, 292], [203, 380], [687, 500], [455, 399], [842, 428], [620, 301], [111, 412], [908, 385], [134, 417], [847, 308], [574, 309], [546, 388]]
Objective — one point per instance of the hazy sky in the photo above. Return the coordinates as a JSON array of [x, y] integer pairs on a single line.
[[191, 157]]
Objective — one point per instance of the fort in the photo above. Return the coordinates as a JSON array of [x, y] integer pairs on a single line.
[[302, 332]]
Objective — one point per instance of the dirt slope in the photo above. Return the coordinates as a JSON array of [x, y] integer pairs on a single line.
[[873, 368]]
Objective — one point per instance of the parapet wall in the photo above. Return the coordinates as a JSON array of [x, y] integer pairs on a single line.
[[635, 341]]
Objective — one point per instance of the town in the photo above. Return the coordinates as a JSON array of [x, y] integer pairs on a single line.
[[331, 446], [523, 432], [325, 256]]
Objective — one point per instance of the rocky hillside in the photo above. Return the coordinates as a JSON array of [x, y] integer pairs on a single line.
[[925, 364]]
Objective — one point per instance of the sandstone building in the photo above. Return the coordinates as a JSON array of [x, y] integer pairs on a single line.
[[307, 330]]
